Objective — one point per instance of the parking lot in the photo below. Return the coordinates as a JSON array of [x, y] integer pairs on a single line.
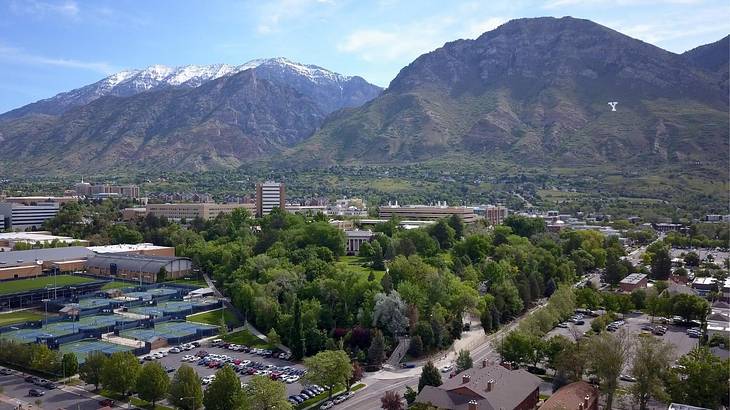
[[16, 387], [174, 360]]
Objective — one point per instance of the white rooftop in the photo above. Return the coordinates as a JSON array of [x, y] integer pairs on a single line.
[[124, 248], [34, 237], [704, 281]]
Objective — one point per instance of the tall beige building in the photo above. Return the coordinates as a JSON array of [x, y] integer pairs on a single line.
[[190, 211]]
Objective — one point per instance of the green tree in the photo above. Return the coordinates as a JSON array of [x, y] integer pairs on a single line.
[[153, 383], [93, 367], [463, 361], [661, 264], [161, 274], [120, 373], [692, 259], [457, 224], [70, 364], [650, 364], [410, 395], [328, 368], [701, 379], [429, 376], [443, 233], [224, 393], [516, 347], [273, 337], [415, 349], [263, 393], [186, 392], [376, 351], [296, 337], [525, 226], [608, 355]]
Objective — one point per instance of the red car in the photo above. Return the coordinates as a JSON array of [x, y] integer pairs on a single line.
[[106, 403]]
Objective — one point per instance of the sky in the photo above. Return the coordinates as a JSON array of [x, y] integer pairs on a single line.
[[47, 47]]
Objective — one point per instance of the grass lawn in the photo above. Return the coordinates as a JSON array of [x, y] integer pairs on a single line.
[[244, 337], [213, 317], [19, 317], [354, 263], [147, 405], [23, 285], [117, 285], [198, 282]]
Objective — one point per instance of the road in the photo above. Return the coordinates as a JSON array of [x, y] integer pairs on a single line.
[[15, 392], [380, 382]]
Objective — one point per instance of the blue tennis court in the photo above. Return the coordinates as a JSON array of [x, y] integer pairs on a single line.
[[102, 321], [152, 293], [50, 331], [169, 330], [92, 303], [164, 309], [84, 347]]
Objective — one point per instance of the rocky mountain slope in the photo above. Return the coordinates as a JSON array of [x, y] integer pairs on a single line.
[[536, 92], [184, 118], [713, 58]]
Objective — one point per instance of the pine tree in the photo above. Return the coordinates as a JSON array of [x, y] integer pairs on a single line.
[[463, 361], [296, 337], [376, 352], [429, 376]]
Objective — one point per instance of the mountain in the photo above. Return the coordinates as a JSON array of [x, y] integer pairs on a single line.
[[335, 90], [535, 92], [190, 118], [713, 58]]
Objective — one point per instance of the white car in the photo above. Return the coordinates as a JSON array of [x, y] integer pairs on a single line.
[[447, 368], [327, 405], [174, 350]]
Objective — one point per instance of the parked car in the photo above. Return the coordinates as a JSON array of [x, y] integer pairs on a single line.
[[36, 392], [106, 403], [627, 378], [31, 379], [6, 371], [447, 368], [407, 365], [174, 350], [563, 325], [327, 405]]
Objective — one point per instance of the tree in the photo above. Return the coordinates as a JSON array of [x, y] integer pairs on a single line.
[[153, 383], [186, 392], [376, 352], [700, 380], [692, 259], [93, 367], [516, 347], [443, 233], [70, 365], [161, 274], [457, 224], [391, 400], [120, 373], [410, 395], [608, 354], [415, 349], [224, 393], [357, 373], [390, 312], [661, 264], [525, 226], [429, 376], [651, 362], [296, 337], [328, 368], [463, 361], [614, 270], [273, 337], [262, 393]]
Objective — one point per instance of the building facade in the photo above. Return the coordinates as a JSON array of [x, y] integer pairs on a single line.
[[428, 213], [132, 266], [190, 211], [269, 195], [633, 281], [21, 217], [494, 214], [355, 239]]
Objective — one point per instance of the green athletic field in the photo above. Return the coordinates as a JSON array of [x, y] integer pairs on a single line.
[[19, 317], [23, 285]]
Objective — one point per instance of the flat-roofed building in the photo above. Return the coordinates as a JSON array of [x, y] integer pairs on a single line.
[[20, 217], [428, 213], [132, 266], [190, 211], [269, 195], [704, 285], [495, 214], [10, 239], [131, 214], [633, 281], [32, 200], [24, 264], [138, 248]]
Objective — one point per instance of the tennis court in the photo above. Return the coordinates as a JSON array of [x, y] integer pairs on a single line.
[[50, 331], [164, 309], [172, 331], [84, 347], [102, 321], [152, 293], [93, 303]]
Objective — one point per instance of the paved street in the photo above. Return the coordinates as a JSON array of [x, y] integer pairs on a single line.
[[70, 398]]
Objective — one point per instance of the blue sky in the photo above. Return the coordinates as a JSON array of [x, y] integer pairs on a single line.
[[51, 46]]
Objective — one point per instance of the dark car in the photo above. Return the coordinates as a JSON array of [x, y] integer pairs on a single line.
[[106, 403], [36, 393], [48, 385], [407, 365], [6, 371], [31, 379]]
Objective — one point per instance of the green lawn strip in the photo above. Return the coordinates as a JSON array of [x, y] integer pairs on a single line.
[[117, 285], [24, 285], [213, 317], [322, 397], [244, 337], [197, 282], [136, 401], [18, 317], [355, 264]]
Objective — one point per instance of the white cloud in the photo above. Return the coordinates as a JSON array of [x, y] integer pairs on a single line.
[[19, 56], [552, 4], [275, 13], [409, 41], [38, 8]]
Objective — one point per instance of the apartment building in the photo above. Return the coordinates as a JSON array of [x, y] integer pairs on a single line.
[[21, 217], [269, 195], [428, 213], [105, 190]]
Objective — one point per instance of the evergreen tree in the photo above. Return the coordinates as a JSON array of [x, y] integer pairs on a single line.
[[416, 347], [486, 319], [93, 367], [457, 225], [296, 337], [376, 352], [661, 264], [429, 376], [464, 361]]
